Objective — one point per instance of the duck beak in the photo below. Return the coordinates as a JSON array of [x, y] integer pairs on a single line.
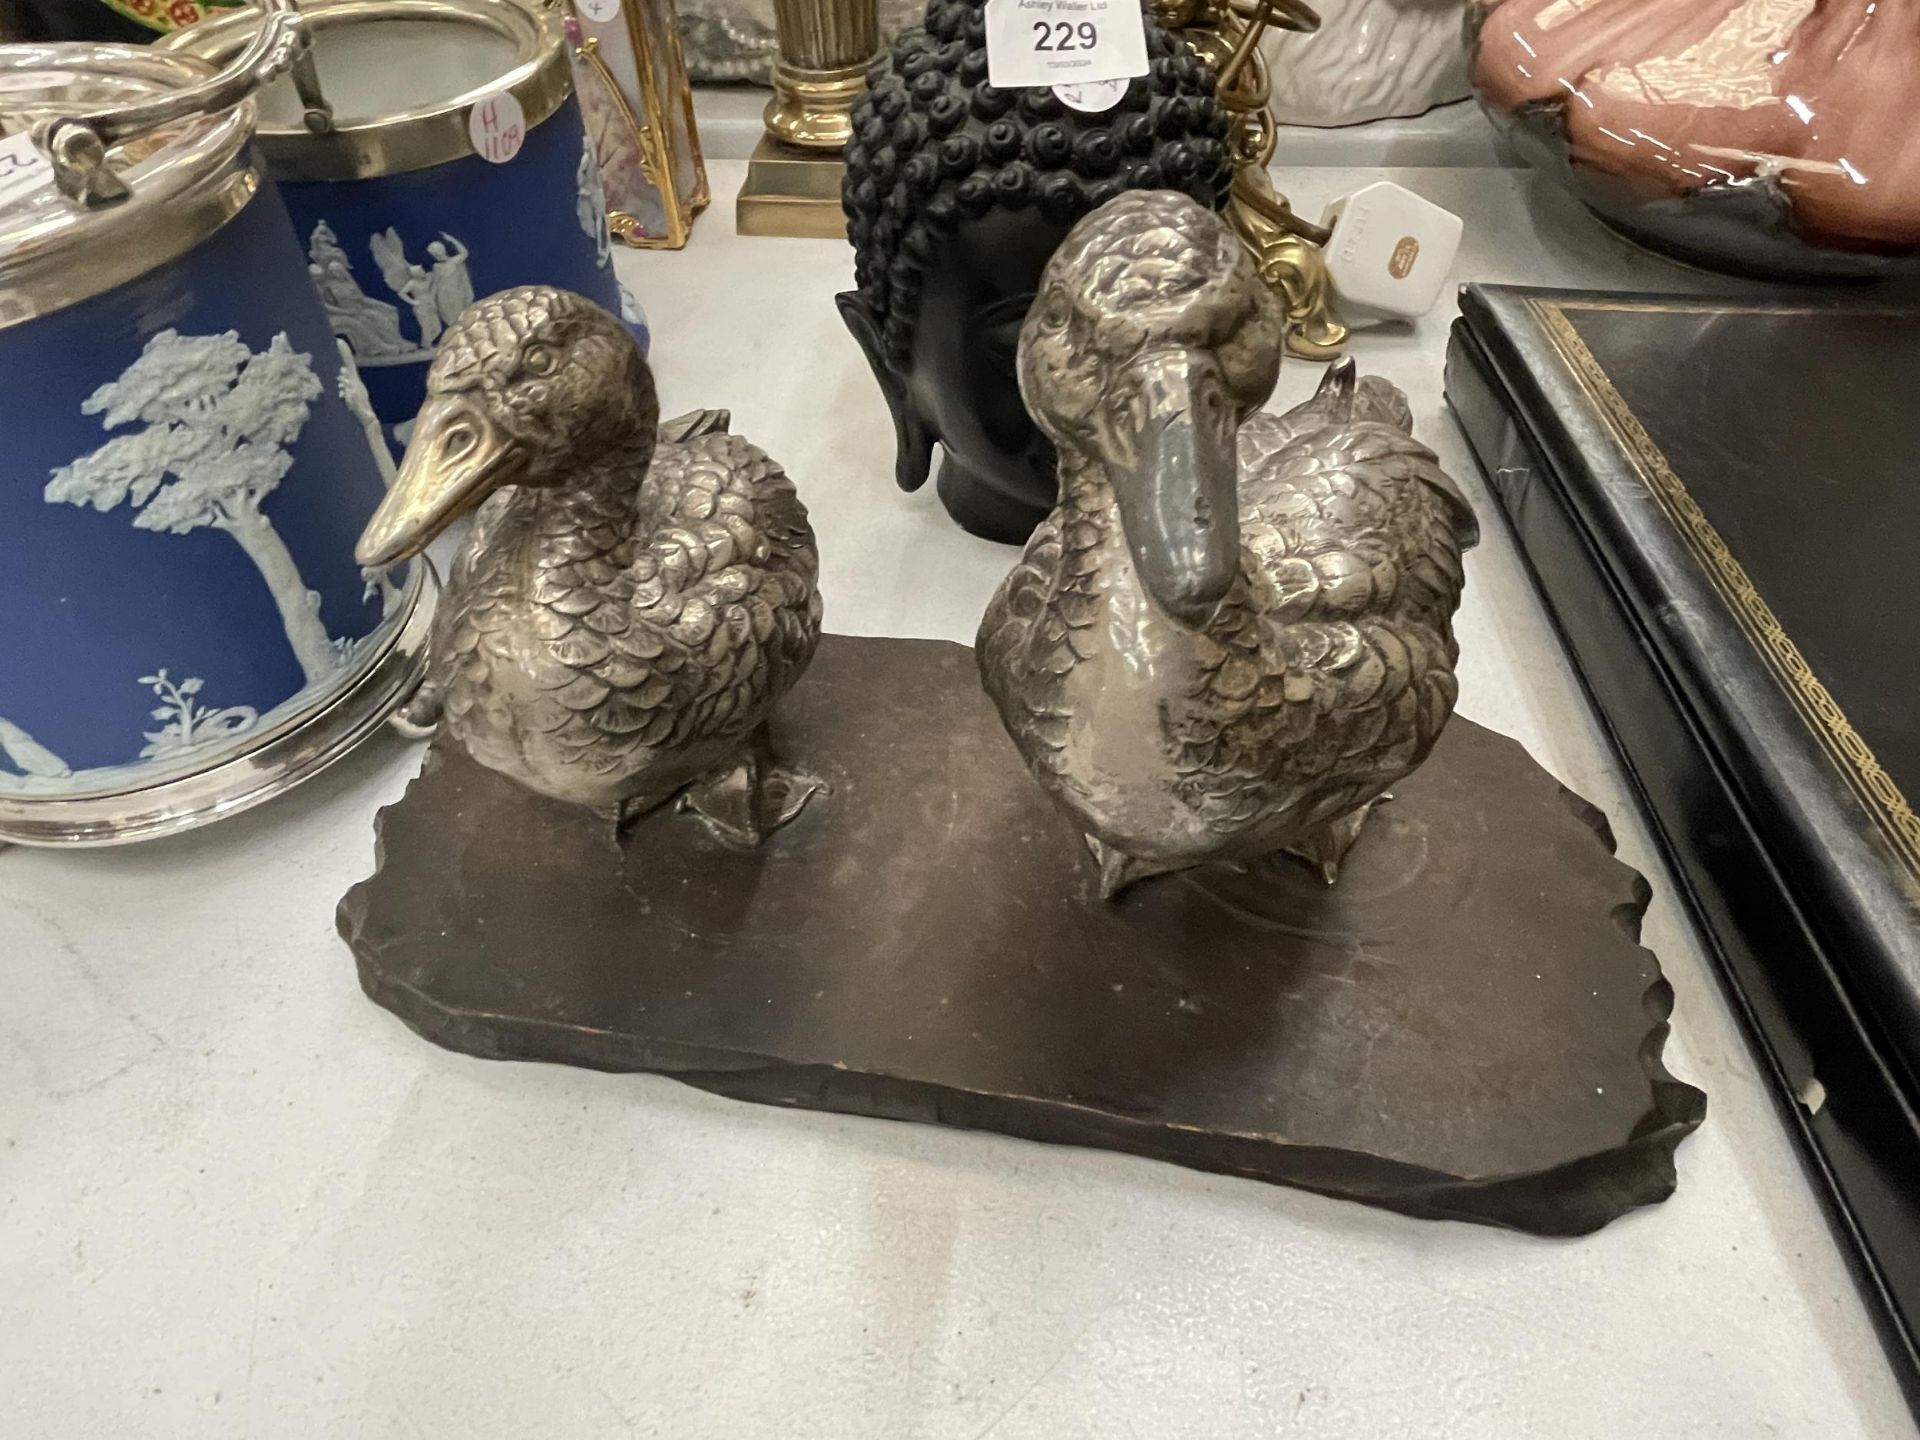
[[1175, 469], [456, 458]]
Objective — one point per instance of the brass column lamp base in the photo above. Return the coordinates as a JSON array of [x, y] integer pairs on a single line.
[[793, 180], [792, 192], [811, 108]]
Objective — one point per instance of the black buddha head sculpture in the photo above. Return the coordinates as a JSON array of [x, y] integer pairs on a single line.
[[957, 194]]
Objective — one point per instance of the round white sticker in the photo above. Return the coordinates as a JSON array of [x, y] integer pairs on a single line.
[[600, 10], [498, 127], [1092, 96]]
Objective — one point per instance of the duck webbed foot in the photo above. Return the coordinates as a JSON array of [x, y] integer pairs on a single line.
[[1325, 846], [747, 801], [1118, 869]]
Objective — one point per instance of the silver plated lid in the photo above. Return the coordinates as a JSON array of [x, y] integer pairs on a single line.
[[398, 78], [182, 180], [83, 126]]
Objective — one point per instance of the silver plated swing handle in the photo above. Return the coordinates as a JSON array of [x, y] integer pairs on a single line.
[[76, 145]]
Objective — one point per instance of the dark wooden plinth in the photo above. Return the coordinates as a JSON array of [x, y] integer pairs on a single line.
[[1464, 1027]]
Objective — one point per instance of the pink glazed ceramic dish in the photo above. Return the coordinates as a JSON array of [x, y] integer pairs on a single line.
[[1769, 137]]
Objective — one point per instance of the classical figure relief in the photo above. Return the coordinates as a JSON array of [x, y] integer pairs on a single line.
[[592, 209], [436, 292]]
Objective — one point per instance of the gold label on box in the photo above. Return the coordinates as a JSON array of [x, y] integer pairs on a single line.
[[1400, 264]]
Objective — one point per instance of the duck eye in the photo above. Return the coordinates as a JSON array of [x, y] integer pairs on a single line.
[[538, 361]]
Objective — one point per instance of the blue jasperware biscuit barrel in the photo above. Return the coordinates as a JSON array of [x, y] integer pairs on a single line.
[[187, 461], [447, 160]]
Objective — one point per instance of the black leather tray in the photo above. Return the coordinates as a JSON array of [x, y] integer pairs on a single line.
[[1720, 502]]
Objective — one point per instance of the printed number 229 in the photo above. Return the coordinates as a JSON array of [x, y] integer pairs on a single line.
[[1060, 35]]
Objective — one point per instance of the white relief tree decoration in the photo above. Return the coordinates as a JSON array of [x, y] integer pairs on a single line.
[[190, 724], [216, 423]]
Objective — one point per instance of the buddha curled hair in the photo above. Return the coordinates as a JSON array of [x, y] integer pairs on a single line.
[[934, 145]]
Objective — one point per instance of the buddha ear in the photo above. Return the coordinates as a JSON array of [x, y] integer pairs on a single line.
[[913, 460]]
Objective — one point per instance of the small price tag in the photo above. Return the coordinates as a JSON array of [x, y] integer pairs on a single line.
[[23, 169], [599, 11], [498, 127], [1064, 42]]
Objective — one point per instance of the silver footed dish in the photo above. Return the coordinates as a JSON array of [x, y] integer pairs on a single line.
[[633, 599], [1234, 632]]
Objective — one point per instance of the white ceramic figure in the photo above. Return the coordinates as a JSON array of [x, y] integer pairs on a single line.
[[353, 393], [29, 756], [410, 282], [452, 286], [592, 208], [371, 327], [1370, 60], [437, 292], [324, 247], [190, 725], [218, 423]]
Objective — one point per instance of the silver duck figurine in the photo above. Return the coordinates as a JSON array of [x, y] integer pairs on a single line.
[[633, 598], [1234, 632]]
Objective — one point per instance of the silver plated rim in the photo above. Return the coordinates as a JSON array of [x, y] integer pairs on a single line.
[[541, 79], [297, 753]]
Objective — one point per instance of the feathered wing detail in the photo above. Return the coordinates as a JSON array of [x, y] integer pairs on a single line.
[[1340, 401], [390, 256], [1329, 673], [683, 428], [1035, 631], [686, 646], [472, 631], [1342, 397]]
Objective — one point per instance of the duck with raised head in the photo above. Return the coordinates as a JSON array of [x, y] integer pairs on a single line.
[[630, 604], [1234, 632]]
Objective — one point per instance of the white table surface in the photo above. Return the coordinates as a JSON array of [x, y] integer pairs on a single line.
[[238, 1199]]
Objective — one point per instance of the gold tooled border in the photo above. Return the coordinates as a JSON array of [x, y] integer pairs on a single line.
[[1858, 766]]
